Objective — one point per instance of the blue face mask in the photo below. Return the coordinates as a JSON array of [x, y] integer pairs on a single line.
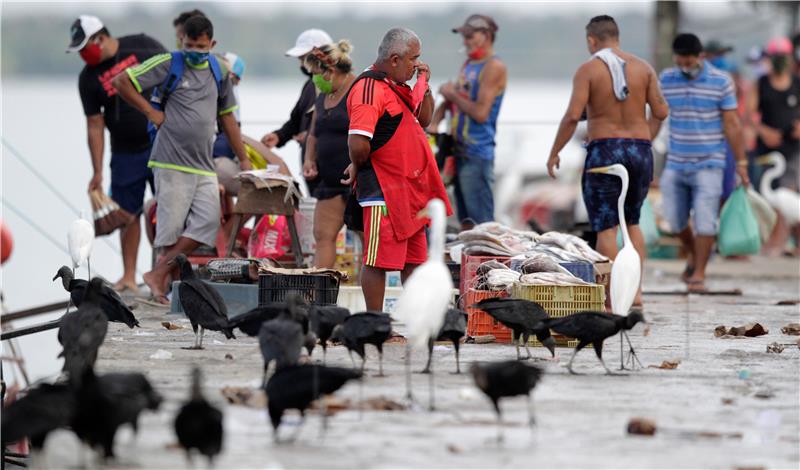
[[194, 57]]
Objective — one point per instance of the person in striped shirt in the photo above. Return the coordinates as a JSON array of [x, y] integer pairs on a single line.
[[702, 102]]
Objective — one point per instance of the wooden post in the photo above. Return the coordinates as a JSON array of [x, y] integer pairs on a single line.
[[667, 21]]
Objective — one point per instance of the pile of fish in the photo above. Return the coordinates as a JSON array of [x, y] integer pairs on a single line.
[[551, 279], [537, 262], [492, 238], [566, 245], [494, 275], [539, 270]]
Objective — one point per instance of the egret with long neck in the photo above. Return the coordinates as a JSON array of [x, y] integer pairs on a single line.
[[783, 200], [427, 292]]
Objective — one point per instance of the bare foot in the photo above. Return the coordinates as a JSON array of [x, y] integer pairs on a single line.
[[155, 286], [126, 285], [696, 286]]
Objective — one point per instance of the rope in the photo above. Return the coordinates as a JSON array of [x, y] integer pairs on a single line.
[[36, 227]]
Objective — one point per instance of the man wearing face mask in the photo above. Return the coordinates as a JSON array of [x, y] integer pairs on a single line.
[[776, 97], [296, 128], [187, 190], [105, 57], [178, 23], [703, 115], [474, 102], [392, 165]]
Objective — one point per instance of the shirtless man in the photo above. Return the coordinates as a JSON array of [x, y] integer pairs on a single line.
[[618, 132]]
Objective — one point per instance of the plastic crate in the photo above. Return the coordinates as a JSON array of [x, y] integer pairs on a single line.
[[317, 289], [560, 301], [480, 323], [455, 272], [580, 269], [469, 268]]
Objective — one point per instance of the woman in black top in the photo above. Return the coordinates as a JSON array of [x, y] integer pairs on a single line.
[[327, 154]]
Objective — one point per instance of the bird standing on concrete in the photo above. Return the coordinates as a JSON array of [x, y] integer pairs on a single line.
[[82, 331], [453, 329], [626, 272], [280, 341], [110, 302], [592, 328], [523, 317], [201, 303], [324, 318], [361, 329], [427, 292], [506, 379], [295, 387], [198, 424], [79, 239], [784, 200]]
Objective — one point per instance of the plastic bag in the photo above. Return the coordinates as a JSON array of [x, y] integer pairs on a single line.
[[764, 213], [647, 224], [738, 228], [270, 238]]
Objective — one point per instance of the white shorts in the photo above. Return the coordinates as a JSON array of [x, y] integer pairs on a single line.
[[188, 206]]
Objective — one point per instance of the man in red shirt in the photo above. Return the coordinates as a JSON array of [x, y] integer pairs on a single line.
[[393, 168]]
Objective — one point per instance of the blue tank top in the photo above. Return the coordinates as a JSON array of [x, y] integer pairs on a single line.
[[474, 139]]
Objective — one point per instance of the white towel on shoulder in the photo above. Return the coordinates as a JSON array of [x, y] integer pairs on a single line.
[[617, 68]]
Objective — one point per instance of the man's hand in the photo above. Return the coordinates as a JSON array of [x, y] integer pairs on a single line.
[[310, 170], [156, 117], [350, 173], [448, 90], [422, 67], [245, 165], [772, 137], [432, 128], [553, 164], [300, 137], [270, 140], [96, 182], [741, 170], [796, 130]]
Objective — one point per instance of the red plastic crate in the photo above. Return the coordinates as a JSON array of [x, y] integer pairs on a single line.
[[479, 323], [469, 268]]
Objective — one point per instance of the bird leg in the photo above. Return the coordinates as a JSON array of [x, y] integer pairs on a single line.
[[427, 369], [409, 395], [351, 358], [500, 437], [89, 267], [621, 355], [632, 358], [516, 344], [202, 332], [296, 434], [531, 418], [528, 351], [608, 371], [430, 390], [380, 363], [569, 366], [458, 364], [324, 355]]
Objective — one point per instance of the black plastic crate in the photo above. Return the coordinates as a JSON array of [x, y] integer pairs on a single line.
[[317, 289], [455, 272]]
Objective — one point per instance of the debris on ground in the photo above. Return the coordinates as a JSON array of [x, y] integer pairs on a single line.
[[764, 393], [229, 356], [750, 330], [666, 365], [791, 329], [334, 404], [788, 302], [647, 427], [161, 354], [454, 449], [245, 396], [171, 326], [728, 401], [481, 339], [641, 427], [775, 348]]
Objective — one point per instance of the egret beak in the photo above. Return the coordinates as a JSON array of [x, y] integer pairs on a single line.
[[424, 213], [599, 169], [764, 160]]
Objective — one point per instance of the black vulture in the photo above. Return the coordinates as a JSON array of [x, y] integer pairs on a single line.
[[82, 331], [592, 328], [506, 379], [41, 410], [361, 329], [523, 317], [324, 318], [198, 424], [295, 387], [453, 329], [280, 341], [104, 403], [112, 304], [201, 303], [250, 322]]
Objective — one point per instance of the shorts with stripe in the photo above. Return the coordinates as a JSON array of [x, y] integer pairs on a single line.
[[382, 248]]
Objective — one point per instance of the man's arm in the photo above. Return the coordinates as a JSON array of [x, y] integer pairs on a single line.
[[659, 109], [95, 130], [290, 128], [425, 112], [438, 117], [733, 132], [122, 83], [231, 129], [577, 103], [492, 82]]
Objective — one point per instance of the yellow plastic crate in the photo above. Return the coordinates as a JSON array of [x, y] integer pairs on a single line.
[[560, 301]]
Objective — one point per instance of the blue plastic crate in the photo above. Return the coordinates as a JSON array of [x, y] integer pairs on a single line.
[[580, 269]]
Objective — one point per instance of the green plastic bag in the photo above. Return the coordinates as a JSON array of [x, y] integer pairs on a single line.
[[738, 228], [647, 224]]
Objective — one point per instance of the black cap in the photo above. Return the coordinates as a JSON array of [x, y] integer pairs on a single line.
[[687, 44]]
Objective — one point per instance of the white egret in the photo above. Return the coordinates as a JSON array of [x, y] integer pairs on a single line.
[[626, 272], [785, 201], [79, 238], [427, 292]]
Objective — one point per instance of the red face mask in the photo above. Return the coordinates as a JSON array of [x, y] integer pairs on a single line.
[[91, 54], [477, 54]]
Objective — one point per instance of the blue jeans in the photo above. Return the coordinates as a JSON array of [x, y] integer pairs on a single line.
[[473, 189], [692, 191]]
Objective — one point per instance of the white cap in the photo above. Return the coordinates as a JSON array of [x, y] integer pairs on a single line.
[[308, 40], [81, 30]]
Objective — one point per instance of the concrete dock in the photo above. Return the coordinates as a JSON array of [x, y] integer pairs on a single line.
[[720, 386]]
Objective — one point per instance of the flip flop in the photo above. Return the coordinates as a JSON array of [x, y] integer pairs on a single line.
[[153, 301]]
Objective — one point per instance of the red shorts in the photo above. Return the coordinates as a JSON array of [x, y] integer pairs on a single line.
[[382, 248]]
